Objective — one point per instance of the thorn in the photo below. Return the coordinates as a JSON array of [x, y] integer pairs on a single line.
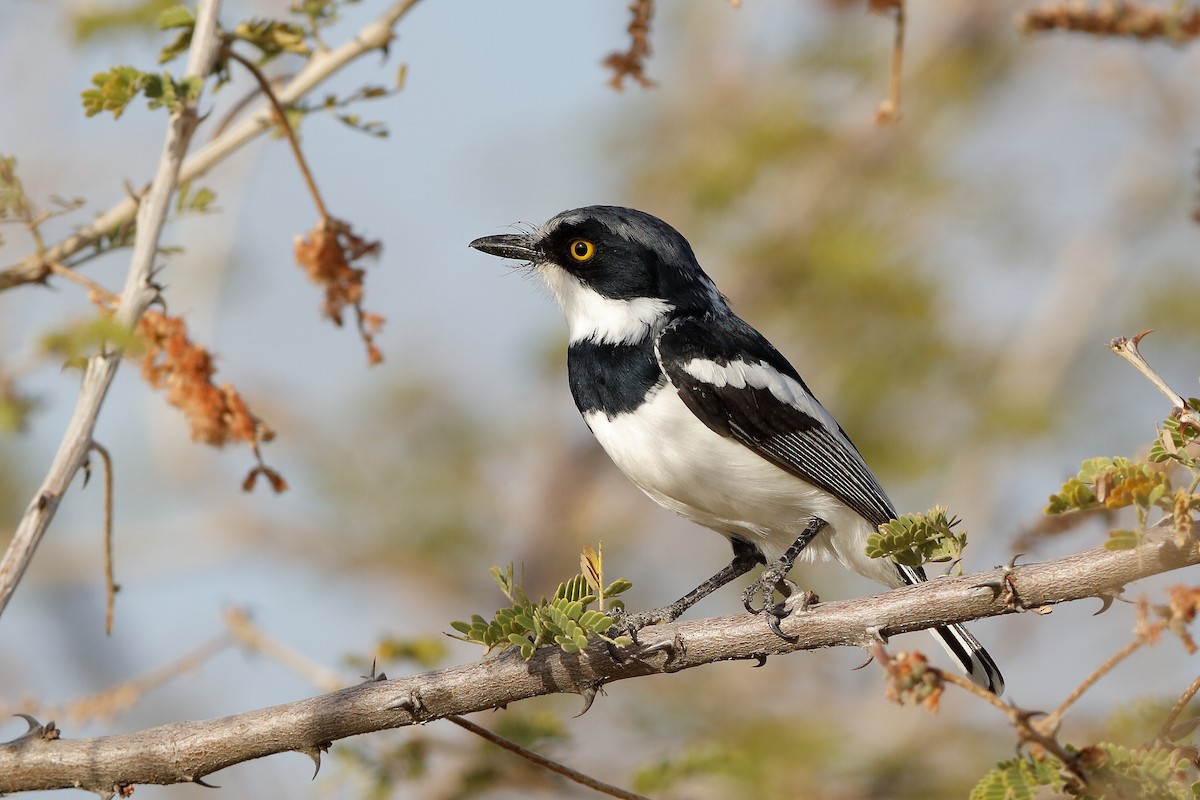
[[314, 753], [950, 568], [589, 696], [1012, 562], [32, 722], [1107, 603], [761, 658], [86, 466], [995, 586], [870, 658], [204, 783]]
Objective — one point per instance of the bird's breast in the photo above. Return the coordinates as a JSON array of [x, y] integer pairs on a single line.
[[612, 379]]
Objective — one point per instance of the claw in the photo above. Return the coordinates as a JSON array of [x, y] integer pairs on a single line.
[[773, 617]]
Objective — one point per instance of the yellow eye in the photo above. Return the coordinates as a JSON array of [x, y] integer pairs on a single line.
[[581, 250]]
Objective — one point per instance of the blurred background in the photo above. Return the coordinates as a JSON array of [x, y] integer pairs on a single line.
[[946, 286]]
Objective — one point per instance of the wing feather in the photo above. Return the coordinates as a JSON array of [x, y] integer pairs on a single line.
[[740, 386]]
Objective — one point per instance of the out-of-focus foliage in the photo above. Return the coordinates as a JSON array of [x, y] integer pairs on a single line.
[[1116, 483], [425, 494], [810, 751]]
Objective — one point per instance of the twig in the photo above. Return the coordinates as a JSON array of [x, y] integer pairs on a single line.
[[888, 111], [282, 120], [187, 751], [101, 294], [375, 35], [107, 703], [251, 637], [1164, 730], [1054, 718], [1128, 350], [110, 584], [137, 295], [542, 761]]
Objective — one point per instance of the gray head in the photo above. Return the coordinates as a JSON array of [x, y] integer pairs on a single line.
[[615, 271]]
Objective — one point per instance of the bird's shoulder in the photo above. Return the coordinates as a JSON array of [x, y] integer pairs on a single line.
[[741, 387]]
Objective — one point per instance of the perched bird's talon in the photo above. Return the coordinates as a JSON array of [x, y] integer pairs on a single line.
[[773, 618]]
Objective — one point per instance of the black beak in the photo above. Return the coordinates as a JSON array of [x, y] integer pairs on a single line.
[[507, 245]]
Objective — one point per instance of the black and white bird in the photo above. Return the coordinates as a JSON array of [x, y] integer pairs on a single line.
[[705, 416]]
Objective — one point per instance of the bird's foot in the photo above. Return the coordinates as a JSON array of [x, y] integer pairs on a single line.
[[795, 599], [630, 624]]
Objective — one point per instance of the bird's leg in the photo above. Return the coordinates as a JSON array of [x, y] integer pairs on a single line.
[[774, 579], [745, 556]]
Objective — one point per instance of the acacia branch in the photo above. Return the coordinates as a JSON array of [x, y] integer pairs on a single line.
[[188, 751], [375, 35], [138, 293]]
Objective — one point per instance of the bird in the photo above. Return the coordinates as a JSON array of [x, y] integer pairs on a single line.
[[706, 417]]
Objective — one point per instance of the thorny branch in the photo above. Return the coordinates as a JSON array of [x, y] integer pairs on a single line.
[[251, 637], [137, 295], [188, 751]]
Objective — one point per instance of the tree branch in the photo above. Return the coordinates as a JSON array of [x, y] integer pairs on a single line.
[[138, 293], [375, 35], [188, 751]]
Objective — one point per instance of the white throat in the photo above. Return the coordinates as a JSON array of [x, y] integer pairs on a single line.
[[604, 320]]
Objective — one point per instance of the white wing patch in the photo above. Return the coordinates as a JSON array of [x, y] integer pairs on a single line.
[[759, 375], [604, 320]]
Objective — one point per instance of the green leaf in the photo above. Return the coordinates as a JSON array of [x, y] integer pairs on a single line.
[[916, 539], [176, 17], [617, 587], [112, 91]]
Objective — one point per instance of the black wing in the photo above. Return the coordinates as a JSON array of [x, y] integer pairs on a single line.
[[735, 381]]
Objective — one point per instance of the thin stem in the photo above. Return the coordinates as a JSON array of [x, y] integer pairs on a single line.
[[1127, 349], [542, 761], [110, 584], [1180, 704], [68, 273], [281, 118], [897, 60], [1054, 718]]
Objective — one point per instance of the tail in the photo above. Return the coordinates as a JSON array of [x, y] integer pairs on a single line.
[[964, 648], [970, 656]]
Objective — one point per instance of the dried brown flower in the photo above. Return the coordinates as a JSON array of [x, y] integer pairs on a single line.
[[632, 62], [327, 254], [216, 415]]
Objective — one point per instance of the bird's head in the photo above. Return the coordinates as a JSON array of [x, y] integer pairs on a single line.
[[617, 273]]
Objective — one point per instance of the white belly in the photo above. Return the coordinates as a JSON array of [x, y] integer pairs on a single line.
[[720, 484]]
